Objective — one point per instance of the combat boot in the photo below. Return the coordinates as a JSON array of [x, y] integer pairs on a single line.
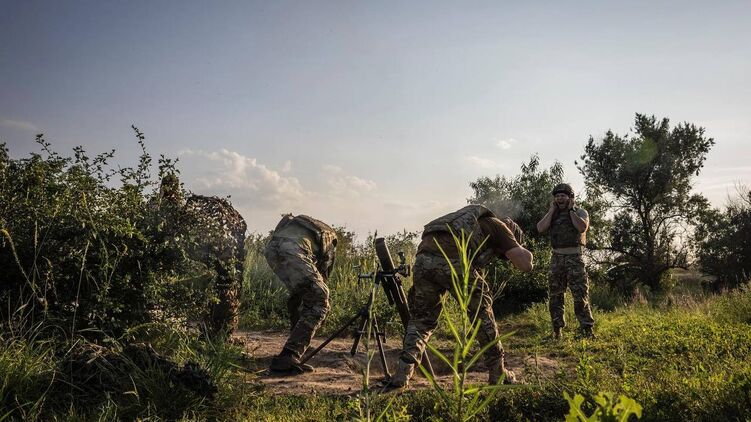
[[586, 331], [287, 362], [400, 379], [496, 371], [557, 333]]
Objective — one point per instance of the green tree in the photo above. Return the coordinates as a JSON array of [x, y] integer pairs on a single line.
[[646, 178], [724, 239], [524, 198]]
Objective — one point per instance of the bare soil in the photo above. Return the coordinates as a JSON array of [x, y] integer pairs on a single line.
[[339, 373]]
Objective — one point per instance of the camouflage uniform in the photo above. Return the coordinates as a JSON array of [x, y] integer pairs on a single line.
[[220, 244], [432, 279], [567, 270], [207, 230], [301, 253]]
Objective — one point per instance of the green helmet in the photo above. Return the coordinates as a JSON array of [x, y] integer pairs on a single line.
[[563, 188], [170, 187]]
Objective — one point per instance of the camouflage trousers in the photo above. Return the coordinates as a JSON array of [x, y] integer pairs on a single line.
[[568, 271], [224, 315], [294, 266], [431, 280]]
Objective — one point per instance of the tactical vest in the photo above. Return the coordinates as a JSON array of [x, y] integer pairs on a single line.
[[325, 237], [465, 219], [563, 234]]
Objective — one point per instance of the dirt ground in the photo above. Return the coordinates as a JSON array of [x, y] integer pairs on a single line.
[[339, 373]]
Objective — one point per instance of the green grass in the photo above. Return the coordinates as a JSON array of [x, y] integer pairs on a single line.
[[685, 361], [689, 360]]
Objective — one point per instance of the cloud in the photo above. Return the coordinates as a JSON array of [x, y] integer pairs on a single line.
[[345, 185], [481, 162], [506, 143], [228, 172], [20, 125]]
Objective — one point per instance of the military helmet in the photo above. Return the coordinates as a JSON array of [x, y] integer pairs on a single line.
[[563, 188], [170, 187]]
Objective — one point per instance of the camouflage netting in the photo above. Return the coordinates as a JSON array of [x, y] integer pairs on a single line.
[[207, 230], [221, 247]]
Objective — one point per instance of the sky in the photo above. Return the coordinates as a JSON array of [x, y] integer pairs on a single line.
[[370, 115]]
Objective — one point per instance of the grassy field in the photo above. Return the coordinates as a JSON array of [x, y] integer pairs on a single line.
[[683, 356], [688, 358]]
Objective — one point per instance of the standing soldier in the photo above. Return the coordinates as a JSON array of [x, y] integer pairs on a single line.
[[432, 278], [208, 230], [567, 225], [217, 238], [301, 253]]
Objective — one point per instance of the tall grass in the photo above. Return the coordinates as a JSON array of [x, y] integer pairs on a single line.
[[464, 401]]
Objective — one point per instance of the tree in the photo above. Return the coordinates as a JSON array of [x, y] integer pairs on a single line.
[[524, 198], [724, 239], [646, 178]]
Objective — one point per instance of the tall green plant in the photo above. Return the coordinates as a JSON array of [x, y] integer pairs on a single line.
[[464, 401], [608, 408]]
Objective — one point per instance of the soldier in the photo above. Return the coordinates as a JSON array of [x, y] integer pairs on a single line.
[[208, 230], [301, 253], [432, 278], [567, 225]]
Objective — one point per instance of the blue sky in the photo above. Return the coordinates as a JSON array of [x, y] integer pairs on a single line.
[[374, 115]]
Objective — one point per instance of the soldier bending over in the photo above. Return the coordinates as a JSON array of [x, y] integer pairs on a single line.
[[301, 253], [432, 278]]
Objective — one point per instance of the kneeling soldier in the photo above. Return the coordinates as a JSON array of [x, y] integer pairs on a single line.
[[432, 279], [301, 253]]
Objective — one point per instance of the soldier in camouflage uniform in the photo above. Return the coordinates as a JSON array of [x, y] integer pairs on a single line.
[[212, 232], [432, 279], [567, 225], [301, 253]]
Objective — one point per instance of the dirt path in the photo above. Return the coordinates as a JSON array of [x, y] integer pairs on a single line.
[[338, 372]]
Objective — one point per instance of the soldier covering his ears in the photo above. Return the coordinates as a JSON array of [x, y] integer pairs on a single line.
[[567, 225]]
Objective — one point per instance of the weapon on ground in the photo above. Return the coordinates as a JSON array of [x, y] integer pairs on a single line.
[[390, 279]]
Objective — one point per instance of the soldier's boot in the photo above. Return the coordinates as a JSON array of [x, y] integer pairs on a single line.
[[497, 370], [556, 333], [587, 331], [287, 362], [400, 379]]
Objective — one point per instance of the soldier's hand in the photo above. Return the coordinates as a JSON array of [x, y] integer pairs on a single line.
[[553, 206], [571, 203]]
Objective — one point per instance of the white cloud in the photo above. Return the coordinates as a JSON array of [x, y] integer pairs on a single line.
[[346, 185], [481, 162], [227, 172], [19, 125], [506, 143]]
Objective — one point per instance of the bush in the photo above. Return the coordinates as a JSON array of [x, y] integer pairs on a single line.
[[515, 291], [85, 247], [725, 244]]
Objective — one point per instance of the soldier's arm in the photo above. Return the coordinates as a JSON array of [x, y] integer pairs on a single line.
[[521, 258], [544, 224], [580, 219]]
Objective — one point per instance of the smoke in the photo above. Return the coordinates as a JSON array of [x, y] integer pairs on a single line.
[[506, 207]]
